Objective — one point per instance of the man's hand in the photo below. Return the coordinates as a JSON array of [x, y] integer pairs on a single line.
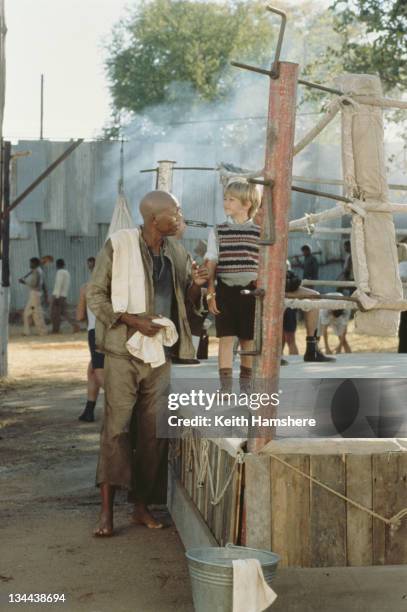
[[200, 274], [142, 324]]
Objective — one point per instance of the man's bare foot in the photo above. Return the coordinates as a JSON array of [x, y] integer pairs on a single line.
[[105, 529], [141, 516]]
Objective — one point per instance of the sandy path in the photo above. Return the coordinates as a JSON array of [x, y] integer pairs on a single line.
[[49, 504]]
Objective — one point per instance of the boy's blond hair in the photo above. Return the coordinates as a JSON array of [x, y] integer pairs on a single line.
[[245, 192]]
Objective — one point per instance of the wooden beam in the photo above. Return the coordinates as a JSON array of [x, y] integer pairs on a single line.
[[4, 254], [272, 264], [5, 227], [42, 176]]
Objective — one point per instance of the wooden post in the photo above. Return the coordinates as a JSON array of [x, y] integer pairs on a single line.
[[255, 529], [164, 175], [272, 265], [5, 263], [364, 171]]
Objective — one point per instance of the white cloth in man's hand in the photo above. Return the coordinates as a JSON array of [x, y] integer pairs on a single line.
[[251, 593], [151, 349]]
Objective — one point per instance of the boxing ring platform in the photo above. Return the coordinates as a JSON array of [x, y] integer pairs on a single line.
[[336, 494], [348, 365]]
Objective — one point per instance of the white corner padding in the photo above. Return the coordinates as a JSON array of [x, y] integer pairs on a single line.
[[373, 238]]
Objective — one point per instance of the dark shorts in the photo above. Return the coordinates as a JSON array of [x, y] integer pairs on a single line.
[[290, 320], [97, 359], [237, 312]]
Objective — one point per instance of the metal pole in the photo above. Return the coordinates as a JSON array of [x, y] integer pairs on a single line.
[[322, 194], [42, 109], [272, 264]]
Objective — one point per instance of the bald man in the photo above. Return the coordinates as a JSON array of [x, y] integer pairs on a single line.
[[133, 388]]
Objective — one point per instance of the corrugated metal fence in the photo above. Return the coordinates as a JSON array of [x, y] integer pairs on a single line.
[[67, 216]]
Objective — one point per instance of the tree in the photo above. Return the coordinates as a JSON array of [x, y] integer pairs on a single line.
[[163, 42], [373, 40]]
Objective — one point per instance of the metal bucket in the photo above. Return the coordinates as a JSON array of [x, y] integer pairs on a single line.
[[211, 572]]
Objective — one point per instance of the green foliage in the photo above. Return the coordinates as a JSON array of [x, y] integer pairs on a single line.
[[164, 42], [373, 40]]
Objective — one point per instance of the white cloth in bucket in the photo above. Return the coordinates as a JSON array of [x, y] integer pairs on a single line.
[[251, 593]]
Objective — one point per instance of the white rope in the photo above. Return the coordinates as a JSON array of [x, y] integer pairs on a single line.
[[378, 206], [326, 304], [381, 102], [310, 219], [203, 468], [393, 522], [362, 300]]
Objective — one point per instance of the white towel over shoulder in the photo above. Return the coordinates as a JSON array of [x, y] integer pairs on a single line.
[[251, 593], [128, 280], [151, 349]]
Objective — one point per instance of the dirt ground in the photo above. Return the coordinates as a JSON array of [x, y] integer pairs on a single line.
[[62, 358], [48, 504]]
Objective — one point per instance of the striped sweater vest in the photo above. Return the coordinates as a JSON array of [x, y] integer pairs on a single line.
[[238, 248]]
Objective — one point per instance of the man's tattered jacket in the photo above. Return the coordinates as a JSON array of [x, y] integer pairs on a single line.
[[111, 335]]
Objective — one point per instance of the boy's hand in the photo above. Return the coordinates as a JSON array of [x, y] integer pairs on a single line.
[[200, 274], [212, 306]]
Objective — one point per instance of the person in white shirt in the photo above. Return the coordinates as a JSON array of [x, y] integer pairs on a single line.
[[33, 310], [59, 308]]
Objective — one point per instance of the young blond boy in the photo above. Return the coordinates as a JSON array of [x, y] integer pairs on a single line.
[[232, 261]]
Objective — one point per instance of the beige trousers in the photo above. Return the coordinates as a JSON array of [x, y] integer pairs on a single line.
[[33, 310], [131, 456]]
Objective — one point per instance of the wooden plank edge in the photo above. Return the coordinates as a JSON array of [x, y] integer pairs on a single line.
[[189, 523]]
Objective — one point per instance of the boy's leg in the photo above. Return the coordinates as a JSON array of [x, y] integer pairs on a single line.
[[246, 360], [100, 377], [292, 345], [225, 359], [92, 396], [345, 343], [311, 317], [246, 364], [226, 352]]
